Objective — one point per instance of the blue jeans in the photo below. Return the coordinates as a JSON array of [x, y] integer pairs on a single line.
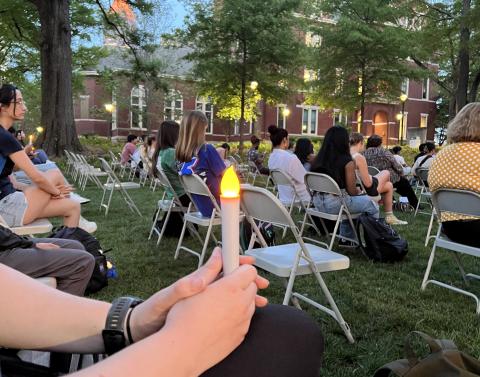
[[356, 204]]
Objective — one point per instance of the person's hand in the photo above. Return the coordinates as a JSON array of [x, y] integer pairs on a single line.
[[28, 149], [65, 189], [46, 246], [149, 317], [211, 324]]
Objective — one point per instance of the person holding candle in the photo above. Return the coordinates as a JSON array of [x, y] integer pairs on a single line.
[[21, 204], [200, 325], [38, 156], [197, 157]]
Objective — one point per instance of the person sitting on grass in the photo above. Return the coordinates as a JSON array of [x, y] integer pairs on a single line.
[[200, 325], [65, 260], [21, 204], [374, 185], [334, 159], [457, 166], [198, 157], [383, 159]]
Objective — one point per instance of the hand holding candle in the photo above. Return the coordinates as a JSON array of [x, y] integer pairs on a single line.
[[230, 205]]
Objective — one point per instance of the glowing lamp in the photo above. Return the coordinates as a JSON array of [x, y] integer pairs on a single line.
[[230, 206], [39, 129], [403, 97], [30, 139], [399, 116], [286, 112], [254, 85], [109, 107]]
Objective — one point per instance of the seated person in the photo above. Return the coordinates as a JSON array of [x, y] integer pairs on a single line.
[[399, 158], [426, 160], [65, 260], [196, 156], [22, 204], [289, 164], [200, 325], [334, 159], [164, 160], [421, 149], [256, 157], [457, 166], [146, 150], [304, 152], [383, 159], [129, 149], [223, 151], [38, 156], [377, 185]]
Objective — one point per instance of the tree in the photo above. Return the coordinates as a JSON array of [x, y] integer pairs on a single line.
[[237, 42], [363, 53]]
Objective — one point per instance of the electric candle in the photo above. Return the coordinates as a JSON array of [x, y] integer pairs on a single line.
[[230, 206], [30, 138]]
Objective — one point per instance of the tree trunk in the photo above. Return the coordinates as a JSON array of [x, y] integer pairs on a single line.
[[56, 67], [472, 95], [362, 102], [242, 99], [463, 57]]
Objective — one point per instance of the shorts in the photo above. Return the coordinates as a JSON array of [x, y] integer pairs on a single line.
[[13, 208], [372, 190]]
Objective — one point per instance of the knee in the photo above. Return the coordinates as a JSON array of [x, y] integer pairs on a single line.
[[55, 175], [74, 206], [86, 262]]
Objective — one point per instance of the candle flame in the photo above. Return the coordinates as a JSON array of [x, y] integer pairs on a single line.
[[230, 185], [30, 138]]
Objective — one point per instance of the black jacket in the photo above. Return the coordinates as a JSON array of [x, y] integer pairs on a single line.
[[10, 240]]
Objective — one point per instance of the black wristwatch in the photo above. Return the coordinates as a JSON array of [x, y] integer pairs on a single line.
[[114, 337]]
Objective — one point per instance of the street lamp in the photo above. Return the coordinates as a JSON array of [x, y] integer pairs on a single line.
[[403, 99], [254, 85], [286, 112], [110, 108]]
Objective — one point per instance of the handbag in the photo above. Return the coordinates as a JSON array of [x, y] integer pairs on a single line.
[[444, 360]]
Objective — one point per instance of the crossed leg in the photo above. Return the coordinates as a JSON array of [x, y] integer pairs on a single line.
[[40, 203], [385, 188]]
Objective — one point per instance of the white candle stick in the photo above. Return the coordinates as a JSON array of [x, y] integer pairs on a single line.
[[30, 139], [230, 205]]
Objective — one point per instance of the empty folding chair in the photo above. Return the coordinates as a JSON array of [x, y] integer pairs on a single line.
[[114, 184], [320, 184], [422, 176], [461, 202], [193, 184], [115, 162], [291, 260], [90, 173]]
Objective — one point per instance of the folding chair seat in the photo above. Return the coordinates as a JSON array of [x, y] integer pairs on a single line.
[[460, 202], [114, 184], [39, 226], [422, 176], [166, 206], [290, 260], [319, 184], [193, 184]]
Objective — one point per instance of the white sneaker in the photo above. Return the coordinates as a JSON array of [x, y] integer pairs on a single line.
[[87, 226], [393, 220]]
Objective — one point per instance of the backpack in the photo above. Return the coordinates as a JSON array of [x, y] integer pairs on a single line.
[[379, 241], [98, 280], [266, 229], [444, 360]]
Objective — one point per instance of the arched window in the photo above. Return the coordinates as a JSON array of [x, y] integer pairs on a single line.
[[173, 106], [204, 104], [138, 107]]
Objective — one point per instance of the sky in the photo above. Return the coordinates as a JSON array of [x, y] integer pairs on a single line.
[[178, 13]]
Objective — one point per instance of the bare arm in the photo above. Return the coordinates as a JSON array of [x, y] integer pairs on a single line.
[[22, 161], [362, 167], [350, 179]]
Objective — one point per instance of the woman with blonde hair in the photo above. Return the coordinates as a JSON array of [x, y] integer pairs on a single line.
[[457, 166], [200, 158]]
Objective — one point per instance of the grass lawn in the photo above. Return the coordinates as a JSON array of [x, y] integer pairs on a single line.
[[381, 302]]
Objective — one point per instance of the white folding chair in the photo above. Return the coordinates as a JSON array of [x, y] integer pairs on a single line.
[[115, 162], [291, 260], [90, 173], [39, 226], [422, 176], [194, 185], [372, 170], [460, 202], [321, 184], [114, 184], [166, 206]]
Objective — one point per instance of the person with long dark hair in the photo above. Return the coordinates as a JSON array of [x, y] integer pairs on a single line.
[[289, 164], [334, 159], [304, 152]]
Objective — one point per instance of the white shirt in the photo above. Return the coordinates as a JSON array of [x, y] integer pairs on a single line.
[[290, 164], [400, 159], [426, 165]]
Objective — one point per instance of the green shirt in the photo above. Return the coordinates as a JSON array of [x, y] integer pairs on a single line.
[[166, 162]]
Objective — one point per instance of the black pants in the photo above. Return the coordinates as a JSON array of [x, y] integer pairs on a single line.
[[466, 232], [404, 189], [282, 342]]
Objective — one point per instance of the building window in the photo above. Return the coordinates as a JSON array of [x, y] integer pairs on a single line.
[[205, 106], [423, 120], [173, 106], [339, 117], [404, 87], [138, 106], [309, 120], [281, 116], [84, 107], [425, 88]]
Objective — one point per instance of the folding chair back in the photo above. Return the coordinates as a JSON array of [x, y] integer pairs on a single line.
[[193, 184], [460, 202], [422, 174], [372, 170], [322, 183]]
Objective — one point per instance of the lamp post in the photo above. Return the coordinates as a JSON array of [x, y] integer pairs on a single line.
[[403, 99], [110, 108], [286, 113]]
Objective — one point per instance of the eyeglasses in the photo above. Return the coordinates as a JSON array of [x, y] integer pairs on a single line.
[[19, 102]]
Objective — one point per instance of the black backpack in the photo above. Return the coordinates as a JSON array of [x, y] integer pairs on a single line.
[[98, 280], [379, 241], [267, 230]]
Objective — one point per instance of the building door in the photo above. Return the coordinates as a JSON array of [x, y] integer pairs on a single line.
[[380, 126]]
